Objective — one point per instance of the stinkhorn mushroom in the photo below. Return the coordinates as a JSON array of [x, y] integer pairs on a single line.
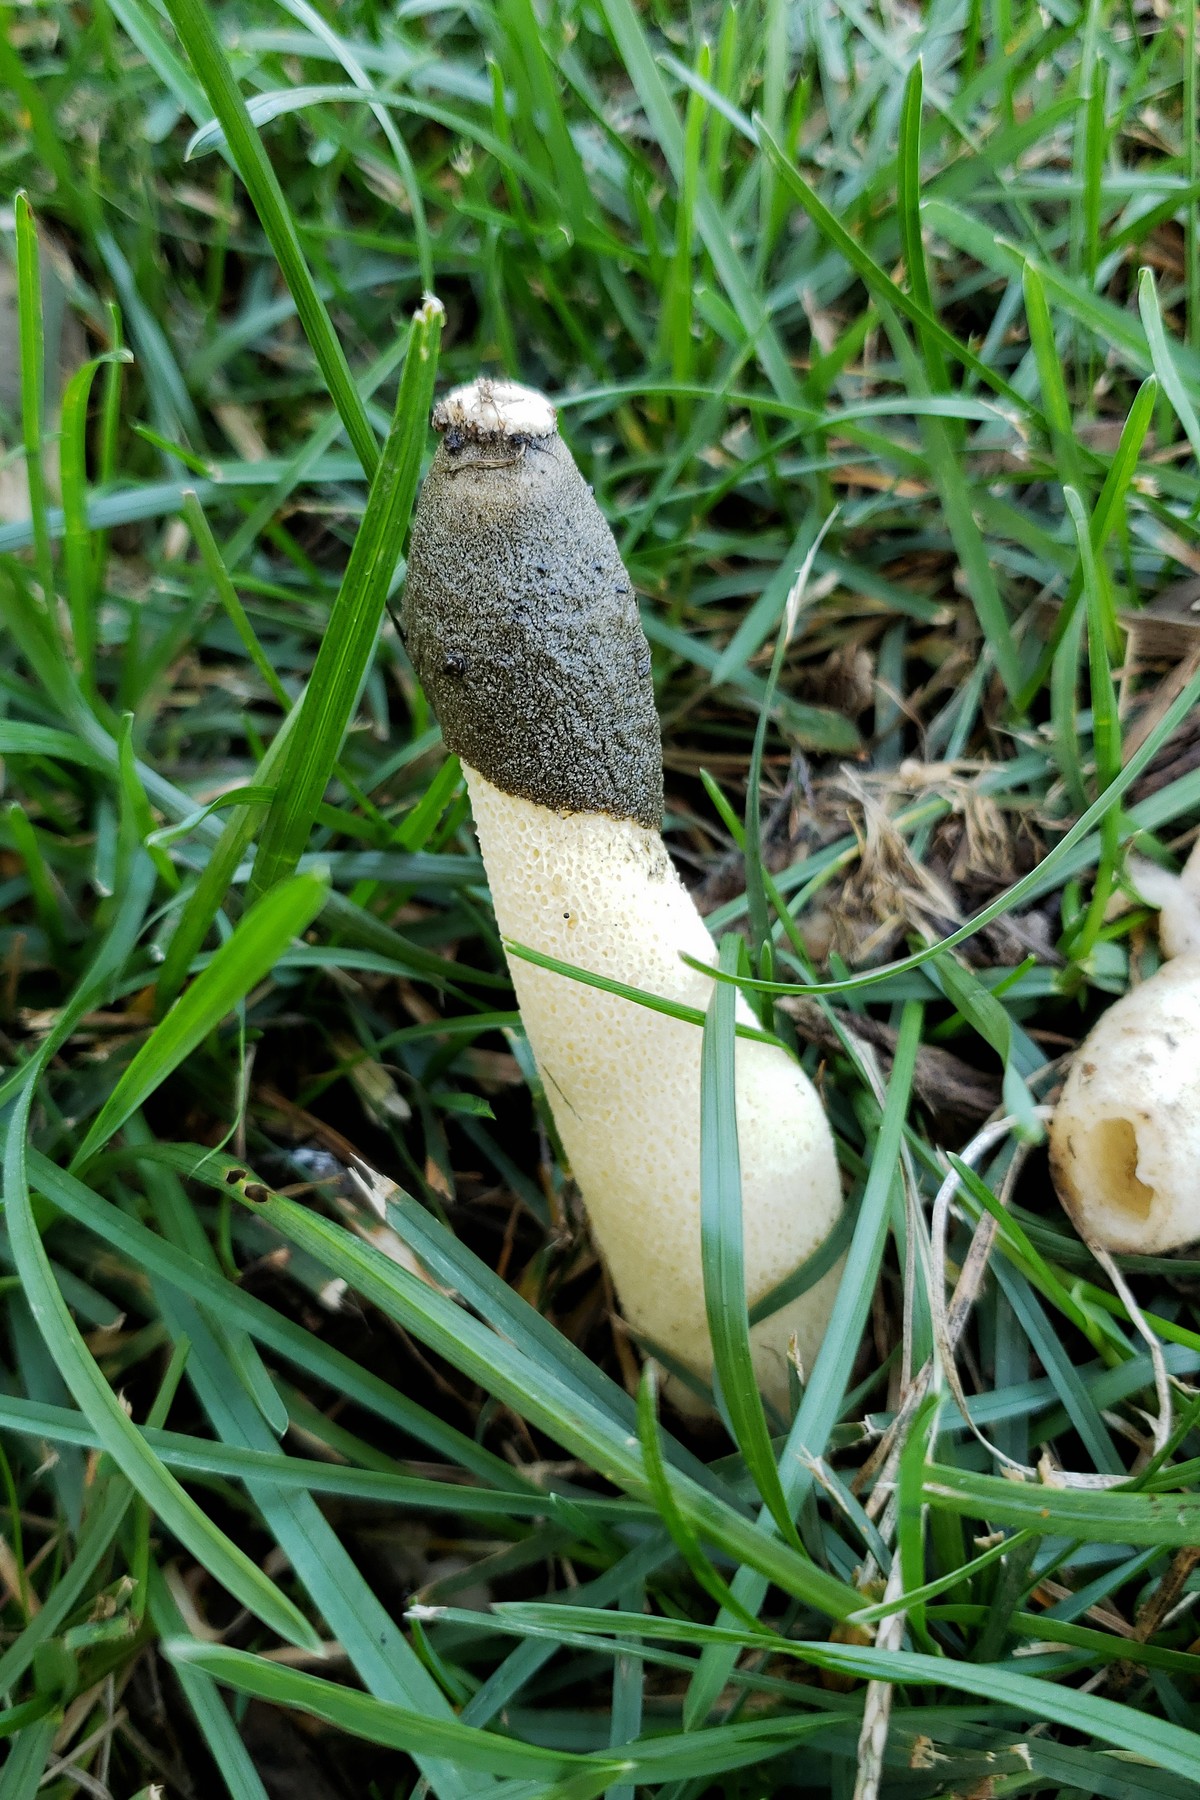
[[1125, 1137], [523, 628]]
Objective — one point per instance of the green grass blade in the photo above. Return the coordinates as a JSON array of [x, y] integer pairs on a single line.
[[108, 1504], [242, 1310], [673, 1756], [346, 647], [880, 283], [722, 1252], [1050, 377], [178, 1512], [309, 17], [79, 562], [31, 1750], [238, 966], [829, 1378], [908, 205], [1162, 356], [33, 387], [224, 1740], [197, 31], [539, 1395], [216, 878], [719, 241], [380, 1722], [1109, 513], [219, 575], [663, 1498]]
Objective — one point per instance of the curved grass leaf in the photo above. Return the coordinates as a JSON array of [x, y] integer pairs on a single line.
[[829, 1378], [676, 1756], [197, 33], [546, 1399], [178, 1512], [722, 1255], [259, 940], [349, 639]]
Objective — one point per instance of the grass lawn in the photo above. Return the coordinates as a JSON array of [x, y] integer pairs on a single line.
[[327, 1468]]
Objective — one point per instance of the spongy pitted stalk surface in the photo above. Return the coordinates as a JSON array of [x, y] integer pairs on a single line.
[[624, 1081]]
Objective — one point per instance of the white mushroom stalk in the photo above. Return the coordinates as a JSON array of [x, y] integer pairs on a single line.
[[1125, 1138], [523, 628]]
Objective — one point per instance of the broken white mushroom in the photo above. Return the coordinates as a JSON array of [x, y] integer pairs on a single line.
[[523, 628], [1125, 1137]]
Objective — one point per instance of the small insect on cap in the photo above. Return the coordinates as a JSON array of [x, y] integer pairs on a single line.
[[520, 619], [487, 410]]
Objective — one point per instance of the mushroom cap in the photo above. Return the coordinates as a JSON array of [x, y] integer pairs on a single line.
[[519, 617], [1125, 1137], [492, 408]]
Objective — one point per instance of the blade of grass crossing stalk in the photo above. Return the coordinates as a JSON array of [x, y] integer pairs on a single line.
[[195, 24], [722, 1249], [176, 1510], [825, 1390], [349, 638], [33, 387], [238, 966], [1163, 359], [1106, 725], [682, 1535], [604, 984]]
